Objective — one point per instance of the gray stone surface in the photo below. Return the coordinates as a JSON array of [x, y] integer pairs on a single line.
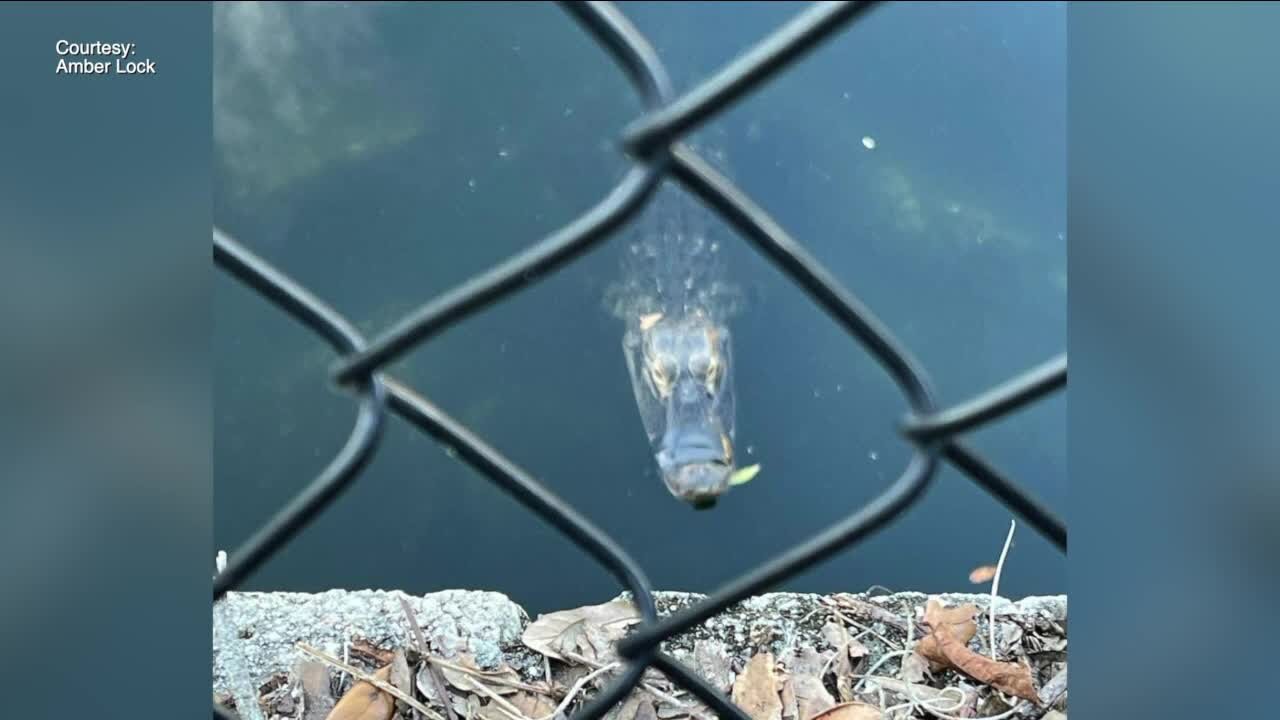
[[255, 634]]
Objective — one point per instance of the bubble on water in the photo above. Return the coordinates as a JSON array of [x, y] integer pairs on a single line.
[[869, 142], [817, 393], [503, 153], [751, 449], [471, 183], [873, 455], [451, 453]]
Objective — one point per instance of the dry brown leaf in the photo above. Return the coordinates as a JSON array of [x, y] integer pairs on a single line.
[[982, 574], [850, 711], [629, 709], [712, 663], [1012, 678], [756, 690], [812, 698], [365, 702], [835, 634], [364, 650], [401, 676], [317, 698], [498, 680], [588, 631], [533, 705], [807, 661], [790, 708], [646, 710], [913, 668], [958, 621]]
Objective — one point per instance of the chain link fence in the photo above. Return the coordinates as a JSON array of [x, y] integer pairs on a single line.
[[653, 142]]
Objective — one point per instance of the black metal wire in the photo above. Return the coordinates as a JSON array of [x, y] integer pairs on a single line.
[[654, 144]]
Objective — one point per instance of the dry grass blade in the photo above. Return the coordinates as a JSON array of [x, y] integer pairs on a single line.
[[365, 701], [379, 683]]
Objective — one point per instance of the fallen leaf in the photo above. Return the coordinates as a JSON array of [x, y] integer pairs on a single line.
[[812, 698], [744, 475], [756, 689], [365, 702], [857, 650], [646, 711], [850, 711], [982, 574], [362, 649], [807, 661], [712, 663], [1012, 678], [625, 710], [498, 680], [958, 621], [790, 708], [913, 668], [665, 711], [631, 709], [401, 677], [588, 631], [838, 636], [317, 698], [529, 704]]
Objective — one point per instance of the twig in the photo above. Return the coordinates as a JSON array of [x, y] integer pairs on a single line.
[[648, 687], [489, 677], [385, 687], [418, 638], [441, 691], [577, 688], [995, 585], [869, 609], [863, 628], [499, 702], [929, 705]]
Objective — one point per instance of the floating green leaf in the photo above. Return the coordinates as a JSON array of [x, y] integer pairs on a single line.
[[743, 475]]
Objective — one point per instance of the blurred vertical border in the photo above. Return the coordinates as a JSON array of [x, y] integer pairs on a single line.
[[1174, 237], [105, 282]]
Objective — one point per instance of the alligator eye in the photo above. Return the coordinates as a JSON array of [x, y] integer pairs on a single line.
[[661, 369], [713, 373]]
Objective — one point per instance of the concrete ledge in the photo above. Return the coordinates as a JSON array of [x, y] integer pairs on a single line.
[[255, 633]]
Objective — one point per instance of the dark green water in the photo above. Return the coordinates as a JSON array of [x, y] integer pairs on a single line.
[[382, 154]]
